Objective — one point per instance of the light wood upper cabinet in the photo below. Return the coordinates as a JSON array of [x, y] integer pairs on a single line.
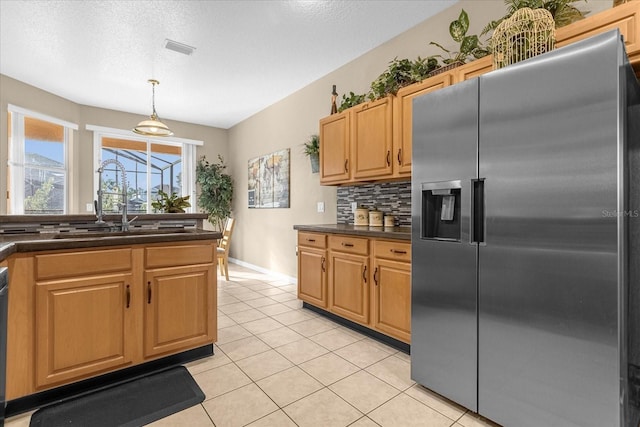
[[403, 119], [372, 139], [83, 326], [335, 148], [312, 268], [473, 69], [179, 309], [625, 17], [360, 154]]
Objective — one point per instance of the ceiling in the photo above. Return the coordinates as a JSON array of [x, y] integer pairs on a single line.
[[249, 54]]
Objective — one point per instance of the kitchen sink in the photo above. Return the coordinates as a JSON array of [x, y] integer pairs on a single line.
[[119, 233]]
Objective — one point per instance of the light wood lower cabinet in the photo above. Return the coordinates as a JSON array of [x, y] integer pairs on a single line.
[[178, 309], [312, 268], [392, 298], [74, 314], [83, 326], [349, 286], [369, 280]]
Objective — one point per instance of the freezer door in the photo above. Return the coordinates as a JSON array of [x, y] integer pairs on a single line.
[[548, 332], [444, 279]]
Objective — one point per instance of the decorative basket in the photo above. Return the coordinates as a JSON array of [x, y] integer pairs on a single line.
[[527, 33], [445, 68]]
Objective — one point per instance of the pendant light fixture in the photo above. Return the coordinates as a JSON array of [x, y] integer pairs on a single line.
[[153, 126]]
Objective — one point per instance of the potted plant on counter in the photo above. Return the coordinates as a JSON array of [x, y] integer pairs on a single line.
[[312, 149], [170, 203]]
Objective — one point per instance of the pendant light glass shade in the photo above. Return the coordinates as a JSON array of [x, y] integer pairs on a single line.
[[153, 126]]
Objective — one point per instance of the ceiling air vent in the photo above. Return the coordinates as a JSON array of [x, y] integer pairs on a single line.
[[178, 47]]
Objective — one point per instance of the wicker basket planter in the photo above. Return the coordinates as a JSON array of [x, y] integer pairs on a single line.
[[445, 68], [527, 33]]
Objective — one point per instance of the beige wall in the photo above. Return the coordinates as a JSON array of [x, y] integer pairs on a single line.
[[265, 237], [262, 237], [81, 180]]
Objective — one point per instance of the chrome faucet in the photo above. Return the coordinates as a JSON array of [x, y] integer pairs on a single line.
[[123, 195]]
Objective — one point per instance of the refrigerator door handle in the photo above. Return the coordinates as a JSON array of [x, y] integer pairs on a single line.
[[478, 219]]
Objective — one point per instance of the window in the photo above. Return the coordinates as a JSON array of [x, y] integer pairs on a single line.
[[38, 163], [150, 165]]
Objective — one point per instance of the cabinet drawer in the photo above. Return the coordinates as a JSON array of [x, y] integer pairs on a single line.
[[398, 251], [70, 264], [349, 244], [172, 256], [313, 240]]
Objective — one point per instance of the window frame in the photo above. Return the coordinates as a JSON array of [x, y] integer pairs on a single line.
[[16, 161], [188, 157]]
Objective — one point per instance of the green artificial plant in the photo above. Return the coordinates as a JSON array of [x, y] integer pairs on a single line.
[[351, 100], [563, 11], [470, 46]]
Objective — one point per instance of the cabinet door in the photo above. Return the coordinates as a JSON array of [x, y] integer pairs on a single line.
[[349, 286], [392, 298], [372, 139], [334, 149], [179, 309], [403, 120], [473, 69], [83, 327], [312, 276]]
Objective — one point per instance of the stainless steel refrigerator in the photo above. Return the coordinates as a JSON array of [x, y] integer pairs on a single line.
[[525, 230]]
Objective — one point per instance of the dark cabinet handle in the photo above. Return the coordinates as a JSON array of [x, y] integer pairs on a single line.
[[348, 245], [346, 166], [128, 296], [323, 264], [400, 156], [311, 240], [148, 292], [395, 251], [388, 157], [364, 274], [375, 276]]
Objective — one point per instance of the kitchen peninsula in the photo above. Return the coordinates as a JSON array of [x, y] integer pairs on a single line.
[[90, 305]]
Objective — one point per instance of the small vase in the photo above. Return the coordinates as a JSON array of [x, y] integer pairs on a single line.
[[315, 163]]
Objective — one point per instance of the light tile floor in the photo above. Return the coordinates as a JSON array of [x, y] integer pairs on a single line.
[[278, 365]]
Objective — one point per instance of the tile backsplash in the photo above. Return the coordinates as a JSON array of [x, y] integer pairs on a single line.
[[392, 198]]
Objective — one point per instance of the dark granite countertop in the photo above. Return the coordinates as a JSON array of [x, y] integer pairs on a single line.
[[12, 243], [394, 233], [46, 219]]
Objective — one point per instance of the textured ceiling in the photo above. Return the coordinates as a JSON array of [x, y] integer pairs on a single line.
[[249, 54]]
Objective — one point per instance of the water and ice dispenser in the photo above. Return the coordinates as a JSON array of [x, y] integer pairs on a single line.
[[441, 203]]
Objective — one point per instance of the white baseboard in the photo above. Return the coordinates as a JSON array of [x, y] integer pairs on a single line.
[[280, 276]]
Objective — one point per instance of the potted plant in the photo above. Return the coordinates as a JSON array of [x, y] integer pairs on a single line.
[[312, 149], [401, 73], [350, 101], [563, 11], [170, 203], [470, 46], [216, 191]]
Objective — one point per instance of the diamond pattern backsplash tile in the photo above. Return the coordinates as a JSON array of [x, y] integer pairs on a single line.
[[393, 198]]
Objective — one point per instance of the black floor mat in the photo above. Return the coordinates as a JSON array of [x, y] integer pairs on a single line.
[[134, 403]]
